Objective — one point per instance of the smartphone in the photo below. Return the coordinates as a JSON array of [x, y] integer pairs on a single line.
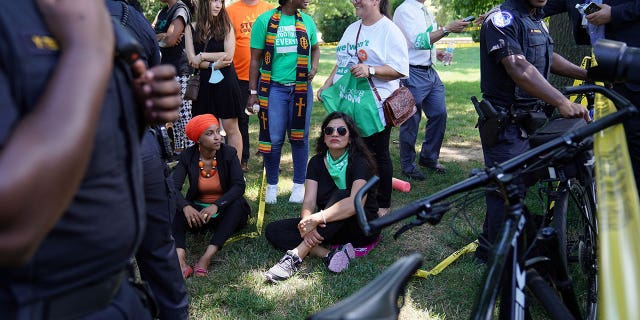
[[471, 18], [591, 8]]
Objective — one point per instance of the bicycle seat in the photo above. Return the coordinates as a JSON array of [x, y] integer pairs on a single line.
[[379, 298]]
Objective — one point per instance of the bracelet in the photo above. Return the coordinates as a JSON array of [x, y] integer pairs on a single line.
[[253, 91], [323, 218]]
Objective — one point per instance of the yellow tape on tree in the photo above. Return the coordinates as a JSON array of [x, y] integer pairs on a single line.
[[259, 220], [471, 247]]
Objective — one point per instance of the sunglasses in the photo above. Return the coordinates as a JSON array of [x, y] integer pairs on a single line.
[[341, 130]]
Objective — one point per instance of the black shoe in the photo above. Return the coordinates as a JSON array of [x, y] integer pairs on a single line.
[[415, 174], [437, 167], [479, 259]]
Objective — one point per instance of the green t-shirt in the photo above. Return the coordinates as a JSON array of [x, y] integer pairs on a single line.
[[285, 58]]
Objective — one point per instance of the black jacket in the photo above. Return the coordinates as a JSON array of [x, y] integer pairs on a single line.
[[229, 171]]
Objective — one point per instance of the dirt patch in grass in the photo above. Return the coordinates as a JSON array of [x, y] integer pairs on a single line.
[[461, 154]]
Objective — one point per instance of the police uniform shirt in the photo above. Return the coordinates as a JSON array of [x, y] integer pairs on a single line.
[[103, 225], [139, 27], [511, 30]]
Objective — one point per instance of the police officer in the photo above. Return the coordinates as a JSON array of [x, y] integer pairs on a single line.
[[516, 56], [71, 201], [156, 256]]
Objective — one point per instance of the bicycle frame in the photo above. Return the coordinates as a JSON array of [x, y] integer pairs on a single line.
[[505, 255]]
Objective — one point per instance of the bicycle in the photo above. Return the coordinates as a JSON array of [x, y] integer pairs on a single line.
[[517, 261], [380, 299], [567, 188]]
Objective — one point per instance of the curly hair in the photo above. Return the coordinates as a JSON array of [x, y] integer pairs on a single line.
[[209, 26], [356, 143]]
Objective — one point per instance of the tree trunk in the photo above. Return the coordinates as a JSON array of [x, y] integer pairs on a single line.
[[565, 45]]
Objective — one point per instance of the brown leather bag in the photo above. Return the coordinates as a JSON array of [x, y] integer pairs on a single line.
[[399, 106], [193, 83]]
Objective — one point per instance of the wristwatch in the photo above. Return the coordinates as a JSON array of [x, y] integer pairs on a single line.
[[445, 31], [372, 71], [253, 91]]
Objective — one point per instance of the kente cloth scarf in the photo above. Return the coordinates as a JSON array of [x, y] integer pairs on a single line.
[[302, 76], [338, 169]]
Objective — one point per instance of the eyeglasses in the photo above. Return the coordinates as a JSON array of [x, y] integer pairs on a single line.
[[341, 130]]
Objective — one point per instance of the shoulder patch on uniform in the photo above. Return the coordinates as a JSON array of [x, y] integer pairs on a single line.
[[502, 19]]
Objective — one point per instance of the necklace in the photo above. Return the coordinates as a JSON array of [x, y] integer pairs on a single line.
[[212, 172]]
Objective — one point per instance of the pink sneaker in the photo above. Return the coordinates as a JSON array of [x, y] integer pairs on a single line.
[[336, 261]]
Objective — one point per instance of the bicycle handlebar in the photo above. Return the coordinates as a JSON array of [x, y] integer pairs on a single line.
[[421, 208]]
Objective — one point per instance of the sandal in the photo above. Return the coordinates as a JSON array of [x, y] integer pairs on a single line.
[[200, 271], [187, 272]]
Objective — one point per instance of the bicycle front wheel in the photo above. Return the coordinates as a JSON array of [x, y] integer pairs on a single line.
[[575, 222]]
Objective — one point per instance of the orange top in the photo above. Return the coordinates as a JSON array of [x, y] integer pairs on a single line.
[[209, 188], [242, 18]]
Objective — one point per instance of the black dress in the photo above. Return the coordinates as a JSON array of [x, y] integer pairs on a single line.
[[221, 99]]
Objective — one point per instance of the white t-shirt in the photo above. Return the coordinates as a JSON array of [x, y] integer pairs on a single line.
[[380, 44], [415, 21]]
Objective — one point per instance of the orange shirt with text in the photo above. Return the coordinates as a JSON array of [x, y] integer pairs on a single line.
[[242, 17]]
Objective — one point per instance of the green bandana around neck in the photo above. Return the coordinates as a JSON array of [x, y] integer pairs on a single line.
[[298, 121], [338, 169]]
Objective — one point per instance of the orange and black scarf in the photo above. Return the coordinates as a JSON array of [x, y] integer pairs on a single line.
[[302, 77]]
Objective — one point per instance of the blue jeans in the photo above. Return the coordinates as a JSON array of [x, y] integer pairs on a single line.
[[281, 108], [429, 94]]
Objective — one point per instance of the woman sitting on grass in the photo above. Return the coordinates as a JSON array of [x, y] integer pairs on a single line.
[[341, 166], [215, 199]]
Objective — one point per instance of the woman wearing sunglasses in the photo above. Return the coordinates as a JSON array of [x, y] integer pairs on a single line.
[[341, 166], [372, 50]]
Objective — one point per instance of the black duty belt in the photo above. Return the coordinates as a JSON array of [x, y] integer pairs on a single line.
[[420, 67], [85, 300]]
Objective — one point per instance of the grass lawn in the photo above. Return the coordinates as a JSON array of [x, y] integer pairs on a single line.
[[235, 288]]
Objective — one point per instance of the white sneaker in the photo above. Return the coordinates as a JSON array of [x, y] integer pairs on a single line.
[[272, 194], [297, 193]]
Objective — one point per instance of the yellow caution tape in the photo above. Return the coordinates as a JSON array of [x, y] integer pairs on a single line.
[[618, 221], [578, 98], [618, 217], [456, 44], [259, 218], [471, 247]]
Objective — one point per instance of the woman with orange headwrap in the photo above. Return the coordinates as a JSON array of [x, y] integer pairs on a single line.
[[215, 199]]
